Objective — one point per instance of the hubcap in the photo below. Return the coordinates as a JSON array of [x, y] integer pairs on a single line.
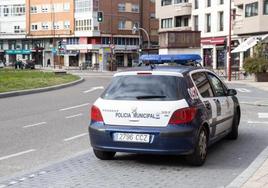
[[203, 144]]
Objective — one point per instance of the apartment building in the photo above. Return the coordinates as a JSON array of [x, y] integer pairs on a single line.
[[212, 18], [251, 26], [176, 33], [209, 17], [47, 24], [12, 30]]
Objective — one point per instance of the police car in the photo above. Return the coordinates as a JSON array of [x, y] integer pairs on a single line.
[[174, 110]]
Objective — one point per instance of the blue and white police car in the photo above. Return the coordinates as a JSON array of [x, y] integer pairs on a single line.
[[174, 110]]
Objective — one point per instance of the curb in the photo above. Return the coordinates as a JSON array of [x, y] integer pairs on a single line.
[[39, 90], [254, 104], [249, 172]]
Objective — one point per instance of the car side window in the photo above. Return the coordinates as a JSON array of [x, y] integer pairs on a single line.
[[217, 85], [202, 83]]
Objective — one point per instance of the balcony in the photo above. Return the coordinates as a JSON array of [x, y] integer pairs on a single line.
[[183, 9]]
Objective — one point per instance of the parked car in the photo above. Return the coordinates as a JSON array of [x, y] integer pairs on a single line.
[[175, 110]]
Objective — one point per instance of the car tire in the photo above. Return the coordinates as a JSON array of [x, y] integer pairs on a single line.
[[233, 135], [198, 157], [104, 155]]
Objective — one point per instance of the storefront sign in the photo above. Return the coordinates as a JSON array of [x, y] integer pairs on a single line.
[[14, 52]]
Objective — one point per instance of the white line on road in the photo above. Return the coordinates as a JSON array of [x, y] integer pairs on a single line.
[[75, 137], [243, 90], [73, 116], [73, 107], [16, 154], [33, 125], [93, 89], [258, 122], [263, 115]]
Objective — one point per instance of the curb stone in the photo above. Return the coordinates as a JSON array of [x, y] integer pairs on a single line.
[[241, 179], [39, 90]]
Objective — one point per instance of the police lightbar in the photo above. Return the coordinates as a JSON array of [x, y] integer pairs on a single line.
[[182, 59]]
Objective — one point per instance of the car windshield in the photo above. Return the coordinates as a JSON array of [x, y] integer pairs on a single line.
[[147, 87]]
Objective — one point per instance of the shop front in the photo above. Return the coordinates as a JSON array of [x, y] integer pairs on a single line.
[[13, 55]]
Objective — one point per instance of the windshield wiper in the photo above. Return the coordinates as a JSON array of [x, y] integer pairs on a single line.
[[151, 96]]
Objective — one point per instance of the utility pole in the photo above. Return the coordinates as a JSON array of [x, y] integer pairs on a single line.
[[229, 45]]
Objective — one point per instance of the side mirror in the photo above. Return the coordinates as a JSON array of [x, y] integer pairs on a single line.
[[231, 92]]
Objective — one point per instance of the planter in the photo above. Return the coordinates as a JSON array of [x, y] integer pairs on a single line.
[[261, 77]]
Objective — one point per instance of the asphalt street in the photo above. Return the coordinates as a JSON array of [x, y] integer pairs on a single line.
[[44, 143]]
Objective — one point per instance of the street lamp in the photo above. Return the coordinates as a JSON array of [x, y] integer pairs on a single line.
[[135, 29]]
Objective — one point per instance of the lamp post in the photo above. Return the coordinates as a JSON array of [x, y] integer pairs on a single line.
[[135, 29]]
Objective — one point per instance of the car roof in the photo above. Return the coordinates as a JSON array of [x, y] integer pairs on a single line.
[[179, 69]]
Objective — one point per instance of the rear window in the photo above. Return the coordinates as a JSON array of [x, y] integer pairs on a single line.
[[146, 87]]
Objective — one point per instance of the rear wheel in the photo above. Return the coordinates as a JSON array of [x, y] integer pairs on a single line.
[[233, 135], [200, 152], [104, 155]]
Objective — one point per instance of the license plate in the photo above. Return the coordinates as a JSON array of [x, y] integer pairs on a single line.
[[131, 137]]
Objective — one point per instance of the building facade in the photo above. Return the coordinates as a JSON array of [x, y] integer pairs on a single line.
[[48, 24], [210, 17], [67, 32], [12, 31], [251, 26], [175, 27]]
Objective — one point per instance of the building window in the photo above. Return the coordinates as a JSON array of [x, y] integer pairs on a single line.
[[33, 9], [221, 23], [152, 15], [44, 8], [66, 24], [166, 2], [45, 26], [34, 27], [135, 8], [66, 6], [180, 1], [121, 7], [265, 7], [251, 9], [121, 25], [166, 23], [208, 23], [196, 4], [82, 25], [178, 21], [208, 3], [56, 25], [221, 2], [16, 29], [196, 23], [82, 6]]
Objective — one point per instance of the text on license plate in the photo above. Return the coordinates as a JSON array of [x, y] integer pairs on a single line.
[[131, 137]]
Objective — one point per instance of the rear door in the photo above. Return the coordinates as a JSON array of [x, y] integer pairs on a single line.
[[225, 115]]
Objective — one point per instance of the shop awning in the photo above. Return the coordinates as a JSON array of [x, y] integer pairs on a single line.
[[249, 43]]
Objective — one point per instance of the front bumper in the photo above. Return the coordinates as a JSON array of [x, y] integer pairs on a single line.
[[173, 140]]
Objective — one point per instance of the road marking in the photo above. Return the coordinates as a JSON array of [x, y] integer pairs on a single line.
[[263, 115], [243, 90], [93, 89], [16, 154], [73, 116], [75, 137], [73, 107], [33, 125], [258, 122]]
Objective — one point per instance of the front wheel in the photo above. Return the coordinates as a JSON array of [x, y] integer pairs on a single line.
[[104, 155], [200, 152]]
